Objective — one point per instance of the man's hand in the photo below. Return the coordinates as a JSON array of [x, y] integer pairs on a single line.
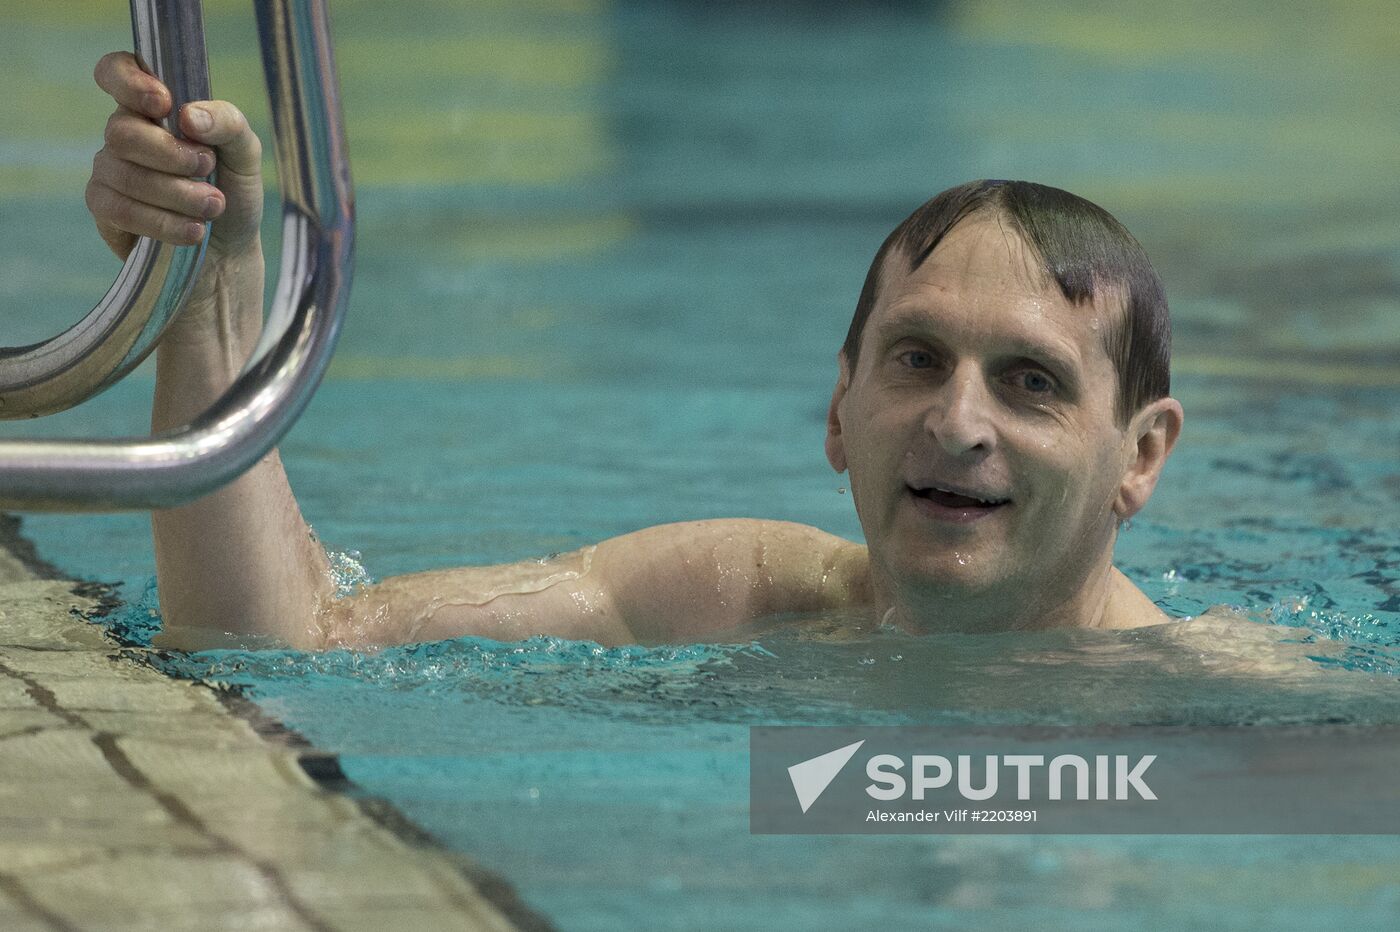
[[145, 181]]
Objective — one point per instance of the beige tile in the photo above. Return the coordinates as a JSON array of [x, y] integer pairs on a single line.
[[294, 829], [15, 723], [57, 785], [25, 835], [15, 921], [319, 861], [102, 664], [320, 839], [193, 918], [38, 614], [408, 916], [44, 854], [262, 805], [74, 806], [82, 693], [69, 804], [215, 730], [81, 680], [166, 881], [133, 915], [62, 751], [205, 771], [14, 694]]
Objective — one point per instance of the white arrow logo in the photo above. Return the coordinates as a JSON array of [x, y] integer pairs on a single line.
[[811, 777]]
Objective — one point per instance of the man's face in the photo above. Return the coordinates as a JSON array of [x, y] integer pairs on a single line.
[[979, 425]]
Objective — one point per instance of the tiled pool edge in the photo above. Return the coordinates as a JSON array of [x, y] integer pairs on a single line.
[[132, 800], [324, 770]]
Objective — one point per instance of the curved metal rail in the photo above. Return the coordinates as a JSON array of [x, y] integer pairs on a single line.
[[126, 324], [301, 326]]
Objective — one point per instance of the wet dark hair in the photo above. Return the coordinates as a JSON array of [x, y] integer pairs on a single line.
[[1079, 244]]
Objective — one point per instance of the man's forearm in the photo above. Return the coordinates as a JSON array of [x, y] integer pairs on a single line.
[[241, 559]]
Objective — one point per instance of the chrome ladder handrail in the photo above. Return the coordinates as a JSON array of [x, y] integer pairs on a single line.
[[302, 323], [152, 287]]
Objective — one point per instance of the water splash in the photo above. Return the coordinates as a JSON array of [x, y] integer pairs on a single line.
[[348, 573]]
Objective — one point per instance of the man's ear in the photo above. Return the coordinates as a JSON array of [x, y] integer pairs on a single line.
[[1154, 430], [835, 442]]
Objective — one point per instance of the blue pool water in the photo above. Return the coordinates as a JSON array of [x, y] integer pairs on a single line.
[[607, 253]]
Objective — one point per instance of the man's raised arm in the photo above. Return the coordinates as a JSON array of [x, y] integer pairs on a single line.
[[241, 559]]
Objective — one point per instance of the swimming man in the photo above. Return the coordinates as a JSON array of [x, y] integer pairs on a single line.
[[1001, 407]]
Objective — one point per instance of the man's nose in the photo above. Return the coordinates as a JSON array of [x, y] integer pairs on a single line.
[[961, 416]]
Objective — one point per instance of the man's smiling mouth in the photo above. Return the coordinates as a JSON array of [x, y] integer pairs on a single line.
[[956, 504]]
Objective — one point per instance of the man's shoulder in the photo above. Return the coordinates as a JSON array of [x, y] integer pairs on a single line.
[[690, 578], [738, 538], [1129, 607], [805, 569]]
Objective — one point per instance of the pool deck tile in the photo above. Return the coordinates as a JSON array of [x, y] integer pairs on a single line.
[[129, 800]]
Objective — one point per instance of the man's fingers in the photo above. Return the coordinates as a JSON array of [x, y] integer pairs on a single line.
[[197, 200], [119, 75], [114, 209], [132, 137], [147, 182], [220, 124]]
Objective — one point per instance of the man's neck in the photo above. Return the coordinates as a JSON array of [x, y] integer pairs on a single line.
[[1099, 602]]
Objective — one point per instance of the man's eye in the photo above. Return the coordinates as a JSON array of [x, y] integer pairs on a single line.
[[1034, 381], [917, 359]]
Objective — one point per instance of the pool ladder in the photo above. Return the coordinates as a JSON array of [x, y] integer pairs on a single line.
[[301, 327]]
